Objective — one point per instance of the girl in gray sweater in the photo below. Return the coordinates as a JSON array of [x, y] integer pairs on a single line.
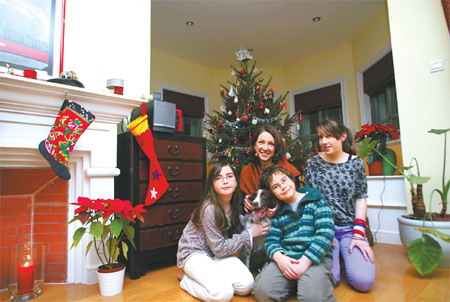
[[212, 236]]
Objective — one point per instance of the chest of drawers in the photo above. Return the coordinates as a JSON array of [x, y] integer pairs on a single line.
[[183, 162]]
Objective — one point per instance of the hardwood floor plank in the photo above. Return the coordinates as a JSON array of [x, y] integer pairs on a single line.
[[396, 280]]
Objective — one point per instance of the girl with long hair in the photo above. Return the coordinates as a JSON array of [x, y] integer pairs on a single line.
[[341, 177], [214, 233]]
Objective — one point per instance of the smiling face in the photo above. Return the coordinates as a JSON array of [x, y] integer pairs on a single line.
[[265, 148], [331, 145], [283, 187], [225, 183]]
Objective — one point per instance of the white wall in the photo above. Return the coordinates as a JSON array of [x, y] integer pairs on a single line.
[[107, 39], [419, 35]]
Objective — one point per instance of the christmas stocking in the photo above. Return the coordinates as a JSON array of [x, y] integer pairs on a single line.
[[157, 185], [71, 121]]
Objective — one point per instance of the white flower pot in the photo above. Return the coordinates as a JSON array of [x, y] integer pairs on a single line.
[[111, 284], [408, 233]]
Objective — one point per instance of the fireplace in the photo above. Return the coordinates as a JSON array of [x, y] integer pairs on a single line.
[[27, 111]]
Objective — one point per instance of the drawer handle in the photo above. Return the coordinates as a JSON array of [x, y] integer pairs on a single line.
[[177, 171], [174, 236], [174, 214], [169, 148], [176, 194]]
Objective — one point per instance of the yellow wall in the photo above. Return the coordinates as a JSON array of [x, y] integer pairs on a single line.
[[420, 35]]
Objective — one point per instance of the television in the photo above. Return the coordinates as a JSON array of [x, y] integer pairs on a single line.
[[161, 116]]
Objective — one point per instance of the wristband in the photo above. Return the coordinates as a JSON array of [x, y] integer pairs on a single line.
[[359, 227]]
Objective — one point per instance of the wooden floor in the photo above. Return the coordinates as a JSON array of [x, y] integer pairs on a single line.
[[396, 280]]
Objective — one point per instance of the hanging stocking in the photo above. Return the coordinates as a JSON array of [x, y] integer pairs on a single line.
[[72, 120], [157, 185]]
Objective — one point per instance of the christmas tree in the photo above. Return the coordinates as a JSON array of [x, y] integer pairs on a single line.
[[249, 103]]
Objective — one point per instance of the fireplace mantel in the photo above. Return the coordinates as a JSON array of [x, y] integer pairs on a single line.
[[27, 111]]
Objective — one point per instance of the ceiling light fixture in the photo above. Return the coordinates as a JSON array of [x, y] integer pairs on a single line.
[[189, 23], [316, 19]]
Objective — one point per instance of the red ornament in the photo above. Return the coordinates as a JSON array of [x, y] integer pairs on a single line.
[[258, 88], [280, 106], [217, 154], [237, 162], [300, 118], [220, 124], [242, 72], [250, 136], [261, 105], [244, 117]]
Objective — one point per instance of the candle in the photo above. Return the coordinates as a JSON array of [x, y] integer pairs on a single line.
[[25, 277]]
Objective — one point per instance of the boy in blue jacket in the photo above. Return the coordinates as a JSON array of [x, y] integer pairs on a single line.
[[298, 243]]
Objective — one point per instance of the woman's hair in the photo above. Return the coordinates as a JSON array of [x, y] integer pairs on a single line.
[[267, 175], [209, 195], [336, 129], [280, 149]]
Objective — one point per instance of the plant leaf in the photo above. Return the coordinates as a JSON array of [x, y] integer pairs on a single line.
[[366, 147], [436, 233], [129, 231], [439, 131], [89, 247], [425, 254], [116, 227], [417, 180], [77, 236], [96, 229], [125, 249]]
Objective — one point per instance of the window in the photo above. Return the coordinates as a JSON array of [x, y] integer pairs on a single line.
[[383, 105], [318, 105], [381, 97], [193, 108]]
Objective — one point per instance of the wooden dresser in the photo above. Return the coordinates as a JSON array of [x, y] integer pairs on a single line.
[[183, 161]]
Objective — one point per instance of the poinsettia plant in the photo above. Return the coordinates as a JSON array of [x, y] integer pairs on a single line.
[[109, 221], [380, 133]]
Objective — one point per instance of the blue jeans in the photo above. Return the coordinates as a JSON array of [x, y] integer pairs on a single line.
[[360, 273]]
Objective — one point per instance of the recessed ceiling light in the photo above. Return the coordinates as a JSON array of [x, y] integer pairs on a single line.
[[316, 19], [189, 23]]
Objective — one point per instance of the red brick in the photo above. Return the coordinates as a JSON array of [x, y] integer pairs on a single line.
[[58, 228], [59, 209], [8, 230], [50, 218], [42, 209], [56, 267], [50, 237], [11, 241], [60, 257], [41, 228], [18, 200], [17, 220], [55, 188], [50, 198], [56, 247]]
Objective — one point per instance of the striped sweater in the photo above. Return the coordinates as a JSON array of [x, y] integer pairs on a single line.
[[309, 231]]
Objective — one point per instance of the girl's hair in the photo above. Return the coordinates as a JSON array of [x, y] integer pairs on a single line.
[[280, 149], [336, 129], [209, 195], [269, 172]]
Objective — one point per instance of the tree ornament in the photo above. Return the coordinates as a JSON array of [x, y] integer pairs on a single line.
[[300, 117], [261, 79], [238, 120], [255, 121], [223, 108], [242, 72], [266, 111], [204, 133], [288, 155], [237, 162], [261, 105], [280, 106], [244, 117], [231, 92], [220, 124], [233, 73], [217, 154], [243, 54], [250, 136], [236, 100], [230, 113]]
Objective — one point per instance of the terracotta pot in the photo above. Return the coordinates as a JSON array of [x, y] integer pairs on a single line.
[[376, 168]]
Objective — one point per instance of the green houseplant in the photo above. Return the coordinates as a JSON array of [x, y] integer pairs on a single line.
[[425, 253], [110, 222]]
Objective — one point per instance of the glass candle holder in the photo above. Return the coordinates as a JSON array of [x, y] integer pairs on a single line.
[[26, 271]]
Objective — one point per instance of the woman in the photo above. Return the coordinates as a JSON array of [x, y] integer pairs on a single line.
[[212, 236], [341, 178], [268, 148]]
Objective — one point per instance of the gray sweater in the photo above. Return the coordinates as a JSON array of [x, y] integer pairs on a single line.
[[209, 239]]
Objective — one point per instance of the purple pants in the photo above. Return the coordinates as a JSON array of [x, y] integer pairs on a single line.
[[360, 273]]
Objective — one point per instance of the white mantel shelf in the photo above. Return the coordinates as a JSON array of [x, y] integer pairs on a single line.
[[27, 112]]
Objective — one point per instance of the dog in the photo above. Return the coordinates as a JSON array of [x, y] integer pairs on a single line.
[[256, 258]]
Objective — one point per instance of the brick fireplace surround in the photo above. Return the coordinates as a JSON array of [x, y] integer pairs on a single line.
[[34, 202]]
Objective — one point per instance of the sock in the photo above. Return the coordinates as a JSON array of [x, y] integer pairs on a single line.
[[70, 123]]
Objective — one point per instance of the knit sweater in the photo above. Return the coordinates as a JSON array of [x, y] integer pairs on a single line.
[[250, 175], [309, 231]]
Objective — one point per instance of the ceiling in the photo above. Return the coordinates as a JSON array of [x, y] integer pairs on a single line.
[[280, 32]]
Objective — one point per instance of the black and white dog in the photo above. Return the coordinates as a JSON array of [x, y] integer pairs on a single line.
[[262, 200]]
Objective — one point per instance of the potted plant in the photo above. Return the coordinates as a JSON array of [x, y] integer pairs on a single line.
[[109, 221], [424, 252], [380, 134]]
